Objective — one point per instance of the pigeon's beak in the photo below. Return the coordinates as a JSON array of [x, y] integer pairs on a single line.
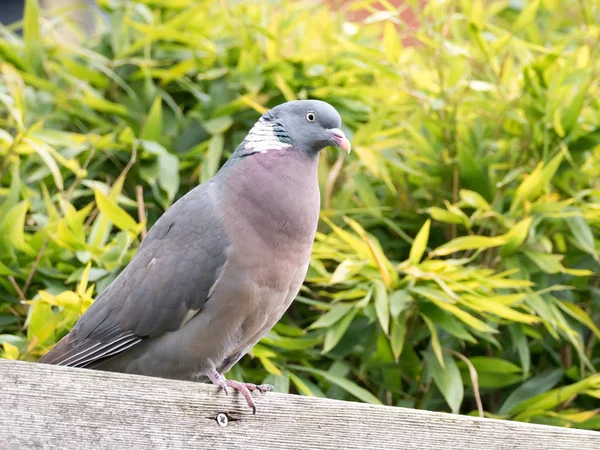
[[340, 139]]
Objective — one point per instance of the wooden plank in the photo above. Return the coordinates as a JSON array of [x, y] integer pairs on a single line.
[[53, 407]]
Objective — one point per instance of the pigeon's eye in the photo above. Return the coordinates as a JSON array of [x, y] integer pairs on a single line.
[[310, 116]]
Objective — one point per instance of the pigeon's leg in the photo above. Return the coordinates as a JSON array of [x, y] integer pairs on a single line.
[[242, 388], [217, 379]]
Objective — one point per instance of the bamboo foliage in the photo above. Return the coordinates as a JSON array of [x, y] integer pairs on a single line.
[[457, 256]]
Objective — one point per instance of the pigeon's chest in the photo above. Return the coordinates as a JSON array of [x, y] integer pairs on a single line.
[[273, 216]]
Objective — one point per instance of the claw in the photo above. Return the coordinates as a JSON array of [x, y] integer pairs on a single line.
[[262, 388], [243, 388]]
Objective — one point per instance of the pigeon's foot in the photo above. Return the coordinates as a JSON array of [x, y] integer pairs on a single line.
[[246, 388], [243, 388]]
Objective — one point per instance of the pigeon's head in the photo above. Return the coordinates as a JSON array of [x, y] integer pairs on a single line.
[[301, 125]]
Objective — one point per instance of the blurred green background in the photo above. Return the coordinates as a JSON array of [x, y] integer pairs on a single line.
[[456, 263]]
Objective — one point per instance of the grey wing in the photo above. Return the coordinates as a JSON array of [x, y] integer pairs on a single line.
[[165, 284]]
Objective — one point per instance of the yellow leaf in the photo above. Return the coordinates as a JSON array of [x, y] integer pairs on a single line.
[[579, 272], [583, 57], [82, 285], [533, 185], [517, 235], [470, 242], [361, 249], [383, 264], [528, 187], [498, 309], [114, 212], [558, 127], [527, 16], [579, 314], [269, 366], [420, 243], [10, 351], [284, 87], [254, 105], [581, 416], [474, 199], [391, 42], [464, 316]]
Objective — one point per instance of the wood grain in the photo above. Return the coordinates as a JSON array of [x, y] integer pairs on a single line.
[[53, 407]]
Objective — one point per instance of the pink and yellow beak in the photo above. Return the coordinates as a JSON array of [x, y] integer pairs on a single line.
[[341, 140]]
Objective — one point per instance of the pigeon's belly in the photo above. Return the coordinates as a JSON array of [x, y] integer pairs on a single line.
[[249, 297]]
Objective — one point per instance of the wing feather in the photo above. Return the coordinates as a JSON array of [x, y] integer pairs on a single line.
[[167, 281]]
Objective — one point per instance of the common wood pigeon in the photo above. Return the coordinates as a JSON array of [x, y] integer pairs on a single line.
[[220, 266]]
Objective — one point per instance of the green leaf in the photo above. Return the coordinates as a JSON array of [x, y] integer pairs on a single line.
[[331, 316], [153, 127], [420, 243], [548, 263], [494, 365], [551, 399], [398, 335], [582, 234], [382, 305], [13, 196], [114, 213], [12, 227], [446, 321], [280, 383], [435, 340], [445, 216], [399, 301], [527, 16], [574, 107], [536, 385], [432, 294], [448, 380], [212, 160], [43, 322], [492, 372], [474, 200], [168, 169], [305, 387], [520, 342], [45, 154], [337, 331], [345, 384], [4, 270], [218, 125], [32, 35]]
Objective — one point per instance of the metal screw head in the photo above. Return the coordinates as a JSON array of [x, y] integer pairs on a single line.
[[222, 419]]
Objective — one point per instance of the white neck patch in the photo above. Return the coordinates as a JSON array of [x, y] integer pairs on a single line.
[[266, 135]]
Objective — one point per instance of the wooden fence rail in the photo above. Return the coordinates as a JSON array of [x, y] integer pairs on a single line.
[[52, 407]]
